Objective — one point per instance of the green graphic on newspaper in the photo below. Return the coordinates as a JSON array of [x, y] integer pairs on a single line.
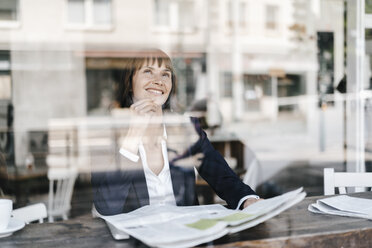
[[203, 224]]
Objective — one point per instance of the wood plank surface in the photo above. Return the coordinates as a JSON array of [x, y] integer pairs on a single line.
[[296, 227]]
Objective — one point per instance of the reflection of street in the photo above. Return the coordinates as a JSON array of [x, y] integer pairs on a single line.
[[289, 140]]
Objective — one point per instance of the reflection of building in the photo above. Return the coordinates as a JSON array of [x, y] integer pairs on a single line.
[[64, 54]]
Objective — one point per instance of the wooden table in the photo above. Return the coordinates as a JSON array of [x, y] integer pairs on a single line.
[[296, 227]]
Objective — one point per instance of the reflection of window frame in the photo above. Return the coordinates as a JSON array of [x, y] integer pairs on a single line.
[[226, 88], [271, 23], [5, 76], [5, 86], [12, 23], [88, 23], [242, 18], [174, 17], [256, 87]]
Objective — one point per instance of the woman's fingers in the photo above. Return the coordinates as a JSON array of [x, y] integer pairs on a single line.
[[147, 110], [145, 107], [142, 102], [250, 201]]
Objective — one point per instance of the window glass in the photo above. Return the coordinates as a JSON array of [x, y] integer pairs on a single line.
[[271, 17], [242, 13], [291, 85], [5, 87], [8, 10], [76, 11], [5, 78], [174, 15], [229, 13], [102, 12], [186, 14], [368, 5], [227, 84], [162, 13]]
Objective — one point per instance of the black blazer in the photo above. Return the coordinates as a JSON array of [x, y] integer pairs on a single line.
[[119, 191]]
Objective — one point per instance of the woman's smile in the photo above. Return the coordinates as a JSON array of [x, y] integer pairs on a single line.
[[155, 91]]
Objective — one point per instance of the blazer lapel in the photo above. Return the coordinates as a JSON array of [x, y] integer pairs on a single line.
[[140, 188], [178, 183]]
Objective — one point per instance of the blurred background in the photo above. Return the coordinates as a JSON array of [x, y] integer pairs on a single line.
[[284, 86]]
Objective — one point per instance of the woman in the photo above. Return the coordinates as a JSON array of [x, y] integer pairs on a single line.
[[147, 86]]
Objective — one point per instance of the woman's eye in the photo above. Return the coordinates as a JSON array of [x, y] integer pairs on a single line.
[[166, 75], [147, 71]]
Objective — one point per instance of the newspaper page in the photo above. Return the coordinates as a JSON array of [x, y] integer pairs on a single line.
[[152, 214], [349, 204], [172, 226], [118, 224], [183, 232], [343, 205], [320, 208]]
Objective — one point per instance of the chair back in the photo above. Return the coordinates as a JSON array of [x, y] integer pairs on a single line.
[[253, 169], [35, 212], [61, 185], [342, 180]]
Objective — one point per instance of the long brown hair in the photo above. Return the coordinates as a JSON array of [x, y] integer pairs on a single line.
[[124, 96]]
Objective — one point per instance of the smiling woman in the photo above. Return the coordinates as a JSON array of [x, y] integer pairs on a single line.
[[147, 86]]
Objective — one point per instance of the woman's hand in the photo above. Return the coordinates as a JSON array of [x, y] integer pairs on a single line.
[[146, 107], [144, 113], [145, 124], [250, 201]]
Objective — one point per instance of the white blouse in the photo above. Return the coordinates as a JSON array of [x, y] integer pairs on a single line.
[[160, 186]]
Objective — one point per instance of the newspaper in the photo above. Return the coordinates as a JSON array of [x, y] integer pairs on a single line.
[[343, 205], [172, 226]]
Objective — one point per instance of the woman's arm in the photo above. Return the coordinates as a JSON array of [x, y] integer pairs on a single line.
[[218, 173]]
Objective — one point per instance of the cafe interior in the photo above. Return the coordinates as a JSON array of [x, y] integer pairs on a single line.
[[282, 89]]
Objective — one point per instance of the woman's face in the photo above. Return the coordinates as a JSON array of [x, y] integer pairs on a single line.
[[152, 81]]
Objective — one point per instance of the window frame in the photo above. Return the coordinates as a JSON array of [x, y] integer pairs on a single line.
[[174, 18], [88, 23], [243, 20]]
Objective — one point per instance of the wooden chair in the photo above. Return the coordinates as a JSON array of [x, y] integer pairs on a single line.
[[342, 180], [35, 212], [61, 186]]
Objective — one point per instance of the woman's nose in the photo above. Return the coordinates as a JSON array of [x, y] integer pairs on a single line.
[[158, 80]]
